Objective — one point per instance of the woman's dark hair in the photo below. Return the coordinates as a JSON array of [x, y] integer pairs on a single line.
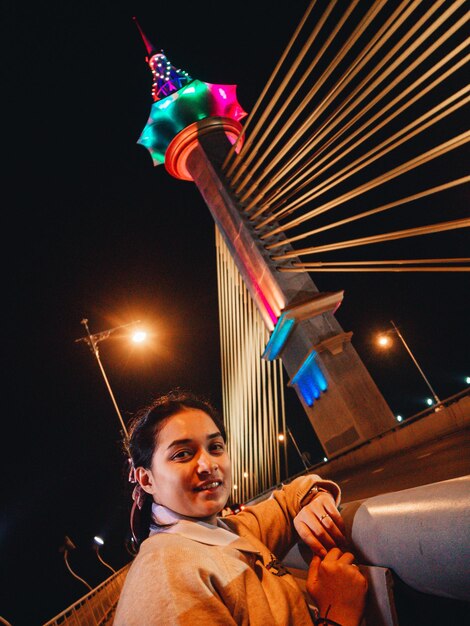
[[143, 438]]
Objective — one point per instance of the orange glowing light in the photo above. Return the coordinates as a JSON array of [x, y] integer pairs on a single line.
[[139, 336], [384, 341]]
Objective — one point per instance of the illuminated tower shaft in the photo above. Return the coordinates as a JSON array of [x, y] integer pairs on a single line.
[[190, 131], [339, 396]]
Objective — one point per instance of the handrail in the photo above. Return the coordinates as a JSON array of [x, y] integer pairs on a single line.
[[422, 534]]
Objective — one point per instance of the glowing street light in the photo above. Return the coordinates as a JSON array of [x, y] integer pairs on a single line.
[[282, 439], [92, 341], [97, 543], [384, 340], [139, 336]]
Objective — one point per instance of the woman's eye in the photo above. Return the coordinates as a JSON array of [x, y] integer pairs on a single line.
[[182, 454], [217, 447]]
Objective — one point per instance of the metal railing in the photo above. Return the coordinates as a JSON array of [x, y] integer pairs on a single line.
[[96, 607]]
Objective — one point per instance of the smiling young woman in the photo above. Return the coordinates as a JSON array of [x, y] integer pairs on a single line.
[[190, 470], [195, 567]]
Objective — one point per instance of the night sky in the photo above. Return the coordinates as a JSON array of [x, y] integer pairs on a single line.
[[92, 229]]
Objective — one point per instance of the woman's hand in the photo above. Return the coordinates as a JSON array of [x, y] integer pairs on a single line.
[[320, 525], [338, 587]]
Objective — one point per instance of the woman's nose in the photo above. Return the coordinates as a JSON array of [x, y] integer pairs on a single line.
[[206, 463]]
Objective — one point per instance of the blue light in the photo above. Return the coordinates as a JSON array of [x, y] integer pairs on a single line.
[[310, 380], [399, 418], [429, 402], [278, 337]]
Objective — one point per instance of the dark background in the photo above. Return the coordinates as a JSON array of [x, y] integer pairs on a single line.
[[92, 230]]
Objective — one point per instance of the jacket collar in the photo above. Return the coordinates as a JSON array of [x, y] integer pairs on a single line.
[[165, 520]]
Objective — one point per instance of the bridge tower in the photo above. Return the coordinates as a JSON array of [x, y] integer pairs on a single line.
[[192, 126]]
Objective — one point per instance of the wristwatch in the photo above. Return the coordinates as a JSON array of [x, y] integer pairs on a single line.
[[312, 492]]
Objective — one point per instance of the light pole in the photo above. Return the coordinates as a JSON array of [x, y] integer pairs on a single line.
[[69, 545], [92, 341], [384, 341], [97, 543], [297, 448], [282, 439]]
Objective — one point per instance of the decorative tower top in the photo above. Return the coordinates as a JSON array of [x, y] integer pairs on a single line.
[[166, 77], [183, 109]]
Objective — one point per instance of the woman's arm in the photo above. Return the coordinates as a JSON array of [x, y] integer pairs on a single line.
[[272, 520]]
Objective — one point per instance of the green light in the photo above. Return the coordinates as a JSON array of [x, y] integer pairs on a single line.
[[196, 101]]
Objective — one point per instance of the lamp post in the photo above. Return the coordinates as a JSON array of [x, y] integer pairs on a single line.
[[384, 341], [92, 341], [97, 543], [69, 545], [282, 440], [297, 448]]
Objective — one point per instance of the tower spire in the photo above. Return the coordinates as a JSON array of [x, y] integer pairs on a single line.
[[147, 43], [166, 77]]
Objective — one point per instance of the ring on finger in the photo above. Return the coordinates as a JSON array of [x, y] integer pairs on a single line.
[[322, 517]]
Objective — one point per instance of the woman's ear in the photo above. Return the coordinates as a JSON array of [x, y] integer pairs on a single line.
[[145, 479]]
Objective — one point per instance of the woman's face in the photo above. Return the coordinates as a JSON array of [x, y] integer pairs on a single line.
[[190, 471]]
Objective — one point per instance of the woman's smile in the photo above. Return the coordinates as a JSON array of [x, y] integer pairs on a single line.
[[209, 486]]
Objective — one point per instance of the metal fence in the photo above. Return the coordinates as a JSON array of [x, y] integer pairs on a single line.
[[97, 607]]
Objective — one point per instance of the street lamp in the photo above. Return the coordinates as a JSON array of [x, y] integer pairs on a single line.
[[92, 341], [302, 458], [97, 543], [384, 340], [69, 545], [282, 440]]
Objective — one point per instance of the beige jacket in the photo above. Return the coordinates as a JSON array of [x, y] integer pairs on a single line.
[[194, 573]]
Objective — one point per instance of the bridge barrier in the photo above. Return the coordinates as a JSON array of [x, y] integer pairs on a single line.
[[96, 607], [422, 535], [450, 416]]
